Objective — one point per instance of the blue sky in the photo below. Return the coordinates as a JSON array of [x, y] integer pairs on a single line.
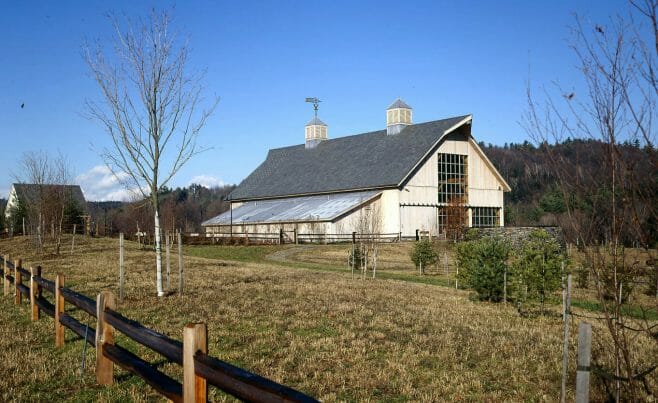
[[263, 58]]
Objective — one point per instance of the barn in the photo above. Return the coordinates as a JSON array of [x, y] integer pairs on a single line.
[[427, 176]]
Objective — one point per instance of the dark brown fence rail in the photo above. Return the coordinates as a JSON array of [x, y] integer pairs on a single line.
[[199, 368]]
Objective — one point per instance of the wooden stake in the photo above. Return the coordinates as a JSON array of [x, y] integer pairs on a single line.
[[35, 292], [73, 238], [445, 258], [18, 280], [584, 353], [104, 335], [122, 274], [195, 388], [168, 258], [59, 310], [505, 286], [180, 263], [5, 274], [565, 345]]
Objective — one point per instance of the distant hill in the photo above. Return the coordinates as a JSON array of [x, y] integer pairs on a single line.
[[181, 208], [535, 198]]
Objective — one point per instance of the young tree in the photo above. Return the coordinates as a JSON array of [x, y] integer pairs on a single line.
[[369, 227], [423, 254], [483, 264], [538, 267], [456, 218], [151, 108], [44, 202], [618, 62]]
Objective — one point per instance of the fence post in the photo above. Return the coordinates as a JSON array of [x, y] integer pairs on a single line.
[[565, 346], [35, 292], [353, 237], [168, 257], [122, 272], [104, 335], [417, 235], [180, 263], [294, 234], [584, 352], [5, 274], [59, 310], [195, 339], [73, 238], [18, 280]]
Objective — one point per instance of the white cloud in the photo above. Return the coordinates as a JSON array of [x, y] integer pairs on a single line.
[[207, 181], [100, 184]]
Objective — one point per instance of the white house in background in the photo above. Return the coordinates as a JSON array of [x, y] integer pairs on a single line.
[[413, 176]]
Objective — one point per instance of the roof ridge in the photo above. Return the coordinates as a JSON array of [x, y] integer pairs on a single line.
[[334, 139]]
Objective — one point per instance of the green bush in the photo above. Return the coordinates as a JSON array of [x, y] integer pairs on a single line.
[[424, 253], [538, 267], [482, 266]]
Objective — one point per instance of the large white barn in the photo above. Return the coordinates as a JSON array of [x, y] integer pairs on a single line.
[[406, 178]]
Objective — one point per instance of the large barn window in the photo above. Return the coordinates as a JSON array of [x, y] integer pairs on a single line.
[[453, 178], [486, 216]]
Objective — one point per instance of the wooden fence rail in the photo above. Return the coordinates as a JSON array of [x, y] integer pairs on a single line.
[[199, 368]]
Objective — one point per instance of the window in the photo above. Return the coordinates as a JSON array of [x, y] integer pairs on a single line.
[[453, 178], [486, 216]]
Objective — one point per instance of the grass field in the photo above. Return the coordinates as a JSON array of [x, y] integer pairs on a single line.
[[297, 316]]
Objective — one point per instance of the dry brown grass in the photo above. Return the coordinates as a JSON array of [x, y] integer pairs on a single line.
[[324, 333]]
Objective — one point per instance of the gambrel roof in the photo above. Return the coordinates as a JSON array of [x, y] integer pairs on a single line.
[[366, 161]]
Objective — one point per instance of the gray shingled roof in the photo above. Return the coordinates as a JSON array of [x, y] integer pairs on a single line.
[[363, 161], [399, 104], [29, 192]]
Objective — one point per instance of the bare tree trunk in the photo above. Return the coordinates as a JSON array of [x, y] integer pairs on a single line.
[[158, 256]]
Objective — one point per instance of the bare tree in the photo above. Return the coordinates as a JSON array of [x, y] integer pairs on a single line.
[[618, 106], [46, 201], [151, 107], [456, 218], [369, 227]]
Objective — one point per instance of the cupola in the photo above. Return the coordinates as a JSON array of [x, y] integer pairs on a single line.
[[398, 116], [316, 132]]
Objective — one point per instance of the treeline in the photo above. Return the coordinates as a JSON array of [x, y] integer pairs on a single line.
[[180, 208], [538, 195]]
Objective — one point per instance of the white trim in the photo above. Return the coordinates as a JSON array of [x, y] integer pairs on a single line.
[[462, 122]]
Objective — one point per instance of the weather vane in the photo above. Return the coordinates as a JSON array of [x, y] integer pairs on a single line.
[[316, 104]]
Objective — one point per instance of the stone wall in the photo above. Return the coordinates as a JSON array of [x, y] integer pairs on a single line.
[[518, 235]]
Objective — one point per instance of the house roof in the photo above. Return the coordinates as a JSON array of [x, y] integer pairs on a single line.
[[365, 161], [309, 208], [31, 191]]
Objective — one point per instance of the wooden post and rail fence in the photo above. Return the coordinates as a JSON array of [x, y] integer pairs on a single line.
[[199, 368]]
